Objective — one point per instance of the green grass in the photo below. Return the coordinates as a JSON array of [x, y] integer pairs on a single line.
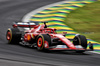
[[86, 20]]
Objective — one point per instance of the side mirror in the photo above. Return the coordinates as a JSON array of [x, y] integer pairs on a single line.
[[64, 32]]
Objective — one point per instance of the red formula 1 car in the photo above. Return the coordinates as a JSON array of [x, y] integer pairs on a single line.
[[28, 33]]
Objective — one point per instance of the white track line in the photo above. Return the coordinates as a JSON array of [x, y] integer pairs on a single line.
[[27, 17]]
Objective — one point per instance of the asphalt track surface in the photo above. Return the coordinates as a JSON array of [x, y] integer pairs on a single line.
[[17, 55]]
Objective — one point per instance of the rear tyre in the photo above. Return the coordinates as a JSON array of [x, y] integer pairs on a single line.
[[80, 40], [43, 42], [13, 35]]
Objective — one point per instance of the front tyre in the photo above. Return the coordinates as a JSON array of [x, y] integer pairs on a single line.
[[43, 42], [80, 40]]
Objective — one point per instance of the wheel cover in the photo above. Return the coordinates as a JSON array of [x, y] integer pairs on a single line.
[[40, 42], [46, 44]]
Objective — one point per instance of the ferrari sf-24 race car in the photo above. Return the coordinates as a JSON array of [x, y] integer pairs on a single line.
[[44, 38]]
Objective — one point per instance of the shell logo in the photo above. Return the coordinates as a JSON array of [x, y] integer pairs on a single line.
[[28, 37]]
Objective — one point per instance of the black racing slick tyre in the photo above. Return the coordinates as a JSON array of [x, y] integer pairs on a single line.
[[80, 40], [43, 42], [13, 35]]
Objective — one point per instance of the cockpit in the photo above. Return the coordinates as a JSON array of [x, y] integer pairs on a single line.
[[49, 30]]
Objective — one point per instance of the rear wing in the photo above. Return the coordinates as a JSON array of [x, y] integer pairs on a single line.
[[26, 24]]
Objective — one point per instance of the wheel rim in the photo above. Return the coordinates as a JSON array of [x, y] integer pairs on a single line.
[[8, 36], [46, 44], [76, 41], [40, 41]]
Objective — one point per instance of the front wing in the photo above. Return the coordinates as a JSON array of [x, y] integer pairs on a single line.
[[65, 48]]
